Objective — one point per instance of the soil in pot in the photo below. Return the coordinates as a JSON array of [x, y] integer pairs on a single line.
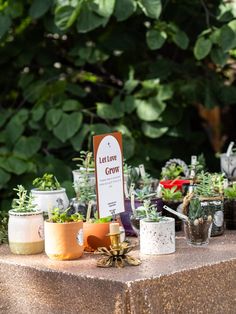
[[197, 232], [174, 205], [230, 213]]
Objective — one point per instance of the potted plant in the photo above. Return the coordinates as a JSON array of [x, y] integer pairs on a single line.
[[204, 209], [64, 235], [48, 193], [174, 173], [86, 168], [197, 227], [25, 226], [230, 207], [135, 200], [96, 232], [172, 198], [209, 187], [157, 233]]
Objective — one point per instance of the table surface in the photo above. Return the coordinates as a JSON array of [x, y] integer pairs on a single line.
[[220, 249], [192, 280]]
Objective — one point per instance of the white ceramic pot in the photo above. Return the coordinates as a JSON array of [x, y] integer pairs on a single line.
[[26, 232], [157, 237], [78, 176], [46, 200]]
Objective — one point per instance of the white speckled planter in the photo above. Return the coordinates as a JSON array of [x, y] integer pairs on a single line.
[[157, 237]]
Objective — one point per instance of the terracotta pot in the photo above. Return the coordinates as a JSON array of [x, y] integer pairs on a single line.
[[95, 235], [25, 232], [64, 241]]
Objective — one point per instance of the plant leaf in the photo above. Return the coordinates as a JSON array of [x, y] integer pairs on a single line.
[[202, 48]]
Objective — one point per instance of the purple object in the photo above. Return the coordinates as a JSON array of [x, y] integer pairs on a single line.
[[125, 216]]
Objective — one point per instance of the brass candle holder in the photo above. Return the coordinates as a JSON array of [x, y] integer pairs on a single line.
[[117, 255]]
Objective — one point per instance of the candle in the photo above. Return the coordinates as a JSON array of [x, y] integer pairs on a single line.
[[114, 228]]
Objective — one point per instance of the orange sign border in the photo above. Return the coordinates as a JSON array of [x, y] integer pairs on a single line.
[[96, 142]]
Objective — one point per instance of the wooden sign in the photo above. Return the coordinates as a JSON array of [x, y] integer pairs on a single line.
[[108, 159]]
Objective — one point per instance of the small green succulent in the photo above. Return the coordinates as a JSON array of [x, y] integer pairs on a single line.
[[48, 182]]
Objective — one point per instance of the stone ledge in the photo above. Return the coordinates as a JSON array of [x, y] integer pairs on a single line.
[[193, 280]]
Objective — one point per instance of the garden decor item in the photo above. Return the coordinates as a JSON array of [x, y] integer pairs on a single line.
[[117, 254], [96, 231], [138, 195], [64, 235], [157, 233], [172, 198], [230, 207], [117, 257], [157, 238], [86, 169], [209, 189], [228, 162], [25, 226], [174, 168], [197, 227], [48, 194]]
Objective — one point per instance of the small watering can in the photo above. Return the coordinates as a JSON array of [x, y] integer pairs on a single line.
[[228, 162]]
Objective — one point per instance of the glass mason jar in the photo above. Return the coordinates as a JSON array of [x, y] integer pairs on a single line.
[[198, 232], [216, 207]]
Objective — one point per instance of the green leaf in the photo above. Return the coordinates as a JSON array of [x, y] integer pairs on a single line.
[[108, 112], [66, 15], [4, 178], [218, 56], [68, 126], [39, 8], [128, 146], [89, 20], [124, 8], [78, 139], [181, 39], [149, 110], [5, 23], [153, 130], [63, 15], [14, 130], [15, 8], [71, 105], [202, 48], [155, 39], [227, 38], [151, 8], [38, 112], [165, 92], [16, 165], [129, 103], [26, 147], [53, 117], [99, 128], [4, 115], [103, 7]]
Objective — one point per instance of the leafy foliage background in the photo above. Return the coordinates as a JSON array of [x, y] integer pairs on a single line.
[[74, 68]]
